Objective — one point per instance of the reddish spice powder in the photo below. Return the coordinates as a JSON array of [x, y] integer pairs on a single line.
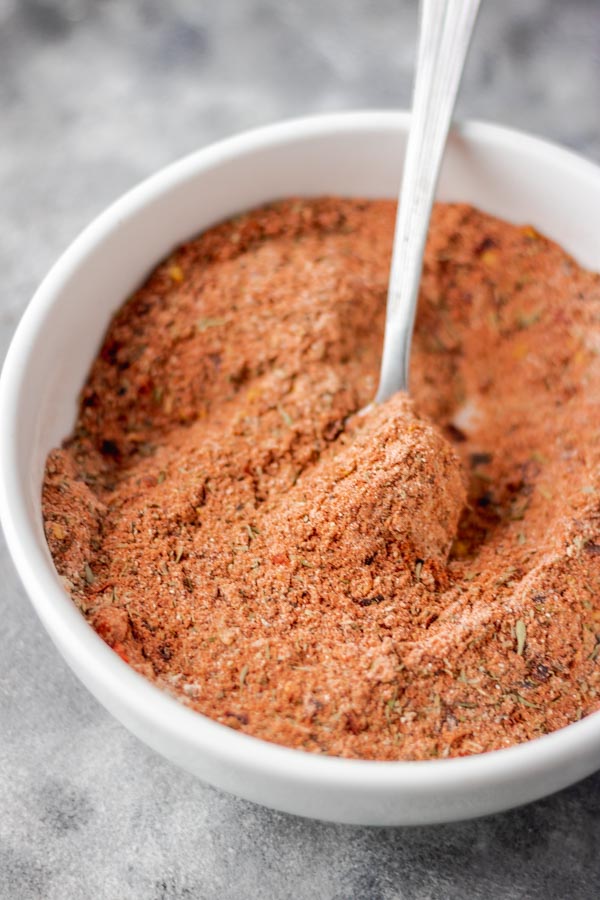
[[419, 581]]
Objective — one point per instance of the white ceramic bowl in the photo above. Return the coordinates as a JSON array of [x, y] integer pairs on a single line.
[[511, 175]]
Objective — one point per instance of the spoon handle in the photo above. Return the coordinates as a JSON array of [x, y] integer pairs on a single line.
[[445, 33]]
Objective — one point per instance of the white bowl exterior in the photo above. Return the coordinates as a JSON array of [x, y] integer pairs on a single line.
[[505, 173]]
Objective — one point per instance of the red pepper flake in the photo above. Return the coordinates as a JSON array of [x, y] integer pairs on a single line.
[[280, 559]]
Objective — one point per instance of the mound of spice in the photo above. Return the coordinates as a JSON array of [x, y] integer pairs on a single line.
[[418, 581]]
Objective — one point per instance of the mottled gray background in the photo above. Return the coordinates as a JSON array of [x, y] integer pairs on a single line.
[[93, 97]]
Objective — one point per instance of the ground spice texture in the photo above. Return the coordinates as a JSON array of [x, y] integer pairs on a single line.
[[419, 581]]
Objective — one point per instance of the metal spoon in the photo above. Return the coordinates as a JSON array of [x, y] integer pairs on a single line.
[[445, 33]]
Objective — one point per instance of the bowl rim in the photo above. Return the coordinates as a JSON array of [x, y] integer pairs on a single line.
[[93, 657]]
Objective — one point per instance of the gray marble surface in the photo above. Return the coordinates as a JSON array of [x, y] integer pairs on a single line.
[[94, 95]]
